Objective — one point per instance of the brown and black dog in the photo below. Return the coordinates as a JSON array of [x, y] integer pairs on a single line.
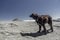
[[42, 20]]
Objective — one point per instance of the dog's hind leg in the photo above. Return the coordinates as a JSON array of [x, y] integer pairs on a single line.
[[51, 27], [50, 23]]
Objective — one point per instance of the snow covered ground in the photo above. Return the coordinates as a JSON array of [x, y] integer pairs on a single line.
[[11, 30]]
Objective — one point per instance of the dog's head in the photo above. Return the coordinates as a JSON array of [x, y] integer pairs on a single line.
[[34, 16]]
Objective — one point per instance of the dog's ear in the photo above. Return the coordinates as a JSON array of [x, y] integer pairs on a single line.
[[32, 13], [36, 14]]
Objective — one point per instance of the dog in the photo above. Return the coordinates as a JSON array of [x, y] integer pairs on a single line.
[[41, 20]]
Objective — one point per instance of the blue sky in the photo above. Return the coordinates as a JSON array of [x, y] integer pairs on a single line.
[[10, 9]]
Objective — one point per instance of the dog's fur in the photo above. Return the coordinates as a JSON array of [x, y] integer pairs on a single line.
[[42, 20]]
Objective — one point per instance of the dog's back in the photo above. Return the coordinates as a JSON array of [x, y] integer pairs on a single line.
[[42, 19]]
